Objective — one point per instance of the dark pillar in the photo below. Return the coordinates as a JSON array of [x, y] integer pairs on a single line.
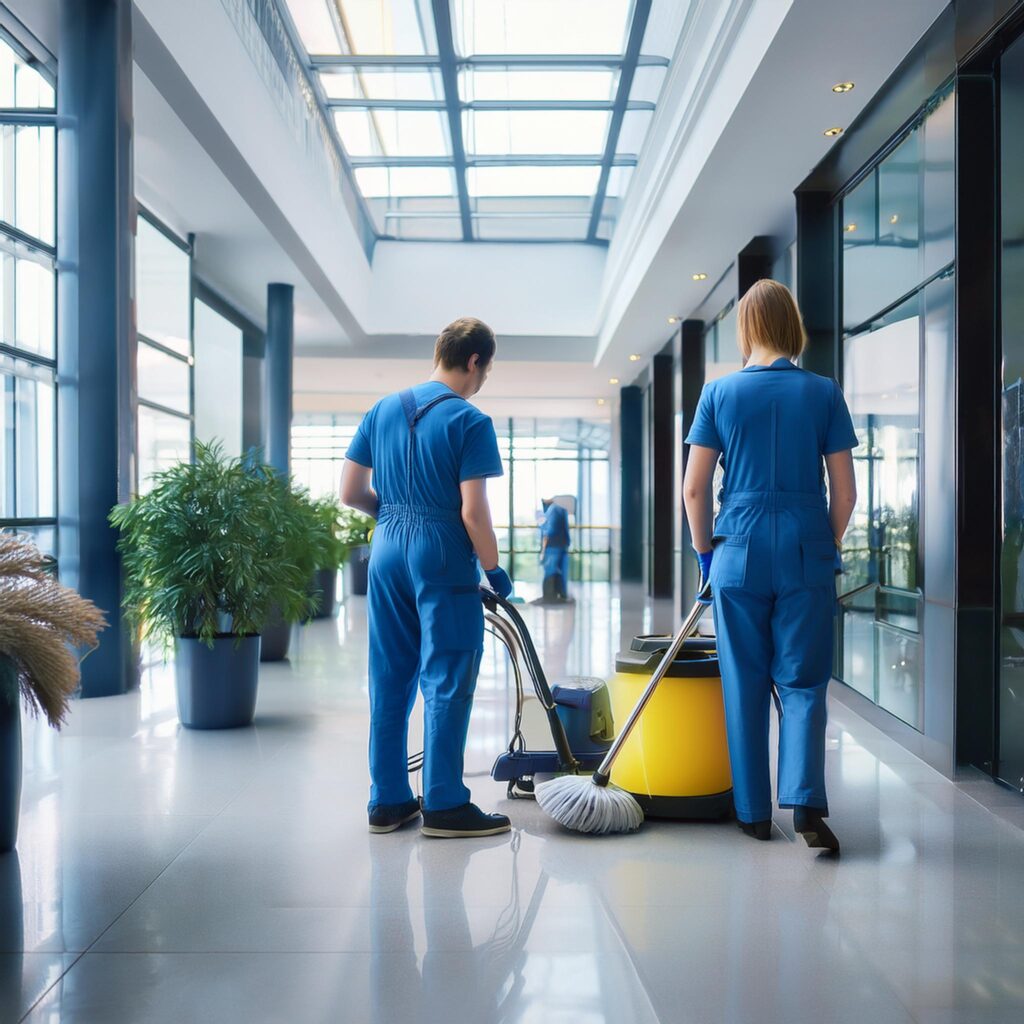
[[95, 341], [816, 286], [691, 368], [662, 483], [753, 263], [280, 336], [631, 432], [978, 415]]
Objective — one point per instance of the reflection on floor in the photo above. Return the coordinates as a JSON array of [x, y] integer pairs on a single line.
[[165, 875]]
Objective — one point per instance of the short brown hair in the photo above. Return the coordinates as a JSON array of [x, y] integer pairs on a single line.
[[769, 317], [462, 339]]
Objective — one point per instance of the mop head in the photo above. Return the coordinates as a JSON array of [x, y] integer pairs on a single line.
[[578, 803]]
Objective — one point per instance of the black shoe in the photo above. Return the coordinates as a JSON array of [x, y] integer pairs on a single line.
[[388, 817], [757, 829], [461, 822], [808, 821]]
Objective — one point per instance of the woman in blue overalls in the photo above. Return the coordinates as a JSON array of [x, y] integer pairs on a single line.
[[773, 554], [429, 452]]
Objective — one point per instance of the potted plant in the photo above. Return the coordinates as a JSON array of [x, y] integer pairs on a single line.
[[354, 531], [41, 622], [302, 542], [331, 555], [206, 554]]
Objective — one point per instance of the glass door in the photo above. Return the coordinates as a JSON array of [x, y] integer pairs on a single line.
[[1011, 638]]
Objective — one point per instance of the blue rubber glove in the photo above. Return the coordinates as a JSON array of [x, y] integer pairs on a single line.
[[499, 581], [838, 566], [704, 560]]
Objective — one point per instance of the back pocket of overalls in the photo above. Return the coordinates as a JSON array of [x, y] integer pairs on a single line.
[[729, 566], [819, 558]]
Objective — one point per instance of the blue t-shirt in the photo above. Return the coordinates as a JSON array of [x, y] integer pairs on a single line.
[[455, 441], [773, 425]]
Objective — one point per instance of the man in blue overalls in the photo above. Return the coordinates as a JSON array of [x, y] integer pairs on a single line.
[[554, 550], [418, 464]]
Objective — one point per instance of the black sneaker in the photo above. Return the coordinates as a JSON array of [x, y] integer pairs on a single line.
[[388, 817], [809, 822], [463, 822]]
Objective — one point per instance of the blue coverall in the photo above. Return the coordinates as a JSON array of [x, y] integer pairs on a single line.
[[773, 574], [425, 614], [555, 530]]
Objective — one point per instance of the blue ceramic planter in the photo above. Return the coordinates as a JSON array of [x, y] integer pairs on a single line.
[[10, 755], [217, 686]]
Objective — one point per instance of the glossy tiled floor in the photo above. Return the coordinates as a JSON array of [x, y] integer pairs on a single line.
[[171, 876]]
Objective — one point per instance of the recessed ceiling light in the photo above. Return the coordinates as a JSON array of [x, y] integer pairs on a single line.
[[833, 132], [842, 87], [850, 227], [700, 277], [673, 319], [600, 401], [634, 358], [894, 218], [613, 380]]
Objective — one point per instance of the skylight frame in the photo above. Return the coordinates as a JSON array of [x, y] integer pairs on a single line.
[[447, 62]]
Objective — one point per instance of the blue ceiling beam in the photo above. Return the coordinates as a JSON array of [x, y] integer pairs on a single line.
[[519, 160], [327, 61], [450, 80], [641, 12], [390, 104]]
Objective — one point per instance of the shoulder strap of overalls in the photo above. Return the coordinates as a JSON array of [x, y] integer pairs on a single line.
[[413, 415]]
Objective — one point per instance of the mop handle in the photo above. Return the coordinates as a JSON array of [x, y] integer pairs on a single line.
[[686, 630]]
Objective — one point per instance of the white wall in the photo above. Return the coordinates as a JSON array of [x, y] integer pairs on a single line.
[[528, 289]]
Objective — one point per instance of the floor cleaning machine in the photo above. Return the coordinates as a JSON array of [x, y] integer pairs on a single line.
[[676, 762]]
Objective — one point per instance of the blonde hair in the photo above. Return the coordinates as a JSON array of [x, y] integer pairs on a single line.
[[769, 317]]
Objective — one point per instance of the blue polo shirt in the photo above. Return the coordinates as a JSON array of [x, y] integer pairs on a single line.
[[773, 425]]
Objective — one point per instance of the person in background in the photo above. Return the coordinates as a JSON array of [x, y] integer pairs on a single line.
[[555, 541], [772, 555], [418, 464]]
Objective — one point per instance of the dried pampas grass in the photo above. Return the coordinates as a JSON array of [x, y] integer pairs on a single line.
[[41, 621]]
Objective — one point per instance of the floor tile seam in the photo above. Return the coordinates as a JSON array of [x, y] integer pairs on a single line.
[[251, 781], [615, 928], [149, 885], [56, 981]]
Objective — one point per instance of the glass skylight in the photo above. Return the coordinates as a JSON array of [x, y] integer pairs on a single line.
[[525, 118]]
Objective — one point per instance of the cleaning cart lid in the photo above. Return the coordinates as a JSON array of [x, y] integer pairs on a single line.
[[691, 664], [644, 643]]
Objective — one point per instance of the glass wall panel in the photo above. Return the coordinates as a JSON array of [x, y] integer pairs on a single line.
[[28, 177], [21, 85], [162, 288], [887, 249], [27, 449], [544, 458], [164, 440], [1011, 683], [164, 379], [27, 304], [218, 379], [879, 652]]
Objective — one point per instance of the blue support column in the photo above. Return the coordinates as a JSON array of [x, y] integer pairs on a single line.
[[94, 331], [280, 339], [631, 413]]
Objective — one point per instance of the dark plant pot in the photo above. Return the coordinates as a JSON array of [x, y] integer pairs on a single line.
[[277, 637], [357, 570], [217, 687], [10, 755], [324, 587]]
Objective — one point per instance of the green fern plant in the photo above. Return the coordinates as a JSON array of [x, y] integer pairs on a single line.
[[333, 550], [213, 546]]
